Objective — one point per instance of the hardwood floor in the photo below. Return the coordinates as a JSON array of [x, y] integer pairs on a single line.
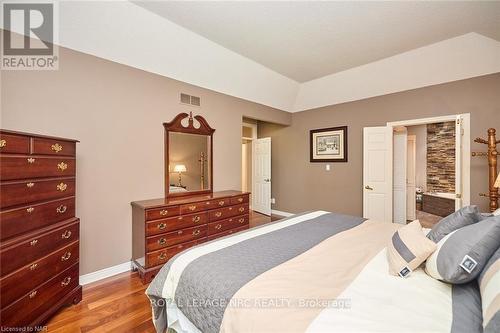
[[116, 304]]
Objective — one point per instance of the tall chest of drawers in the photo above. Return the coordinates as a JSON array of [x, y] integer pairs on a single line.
[[161, 228], [39, 233]]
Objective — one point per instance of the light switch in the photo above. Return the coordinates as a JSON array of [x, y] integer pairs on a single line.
[[327, 167]]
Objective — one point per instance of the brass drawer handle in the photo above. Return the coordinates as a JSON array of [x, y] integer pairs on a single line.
[[66, 281], [221, 203], [163, 212], [66, 234], [3, 143], [241, 220], [30, 210], [66, 256], [33, 294], [241, 209], [62, 187], [162, 226], [192, 208], [30, 185], [196, 219], [162, 241], [62, 166], [207, 203], [180, 246], [179, 232], [218, 214], [61, 209], [31, 160], [33, 266], [218, 226], [57, 147], [162, 256], [240, 199], [34, 242], [196, 232]]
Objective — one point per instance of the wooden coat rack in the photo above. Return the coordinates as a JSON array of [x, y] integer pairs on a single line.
[[492, 155]]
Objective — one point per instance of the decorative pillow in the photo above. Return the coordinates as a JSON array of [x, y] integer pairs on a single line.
[[408, 248], [489, 284], [460, 218], [462, 254], [497, 212]]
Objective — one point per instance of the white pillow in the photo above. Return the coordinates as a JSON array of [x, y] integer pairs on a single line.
[[497, 212]]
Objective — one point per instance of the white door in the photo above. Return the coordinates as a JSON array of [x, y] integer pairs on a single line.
[[411, 183], [400, 142], [458, 162], [261, 175], [377, 173]]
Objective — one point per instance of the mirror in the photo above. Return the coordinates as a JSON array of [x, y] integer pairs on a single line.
[[188, 156], [189, 161]]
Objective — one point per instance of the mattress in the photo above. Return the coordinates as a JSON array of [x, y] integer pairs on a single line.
[[313, 272]]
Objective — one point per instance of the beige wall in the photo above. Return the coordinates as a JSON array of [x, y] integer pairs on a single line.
[[420, 132], [117, 113], [299, 185]]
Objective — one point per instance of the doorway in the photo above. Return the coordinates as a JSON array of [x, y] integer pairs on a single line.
[[256, 167], [401, 184]]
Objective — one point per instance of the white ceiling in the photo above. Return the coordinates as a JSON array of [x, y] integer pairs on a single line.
[[308, 40]]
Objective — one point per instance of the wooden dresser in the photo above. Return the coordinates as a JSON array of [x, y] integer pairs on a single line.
[[164, 227], [39, 232]]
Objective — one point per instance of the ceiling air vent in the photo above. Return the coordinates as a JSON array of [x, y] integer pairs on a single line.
[[191, 100]]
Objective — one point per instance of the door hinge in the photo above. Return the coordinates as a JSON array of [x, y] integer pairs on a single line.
[[458, 196]]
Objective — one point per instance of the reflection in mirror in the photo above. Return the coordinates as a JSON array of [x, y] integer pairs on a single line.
[[189, 162]]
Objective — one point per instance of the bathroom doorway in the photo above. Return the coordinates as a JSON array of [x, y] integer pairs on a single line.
[[430, 173]]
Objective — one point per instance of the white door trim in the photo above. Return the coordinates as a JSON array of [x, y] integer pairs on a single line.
[[466, 145], [411, 182]]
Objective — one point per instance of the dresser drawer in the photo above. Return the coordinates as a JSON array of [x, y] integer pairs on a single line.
[[175, 223], [21, 220], [41, 299], [226, 212], [161, 213], [22, 193], [14, 144], [17, 167], [175, 237], [227, 233], [195, 207], [239, 199], [231, 223], [162, 256], [20, 282], [39, 245], [44, 146]]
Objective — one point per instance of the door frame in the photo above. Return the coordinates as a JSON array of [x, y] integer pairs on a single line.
[[466, 145]]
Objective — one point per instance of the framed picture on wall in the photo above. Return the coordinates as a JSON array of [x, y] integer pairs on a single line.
[[328, 144]]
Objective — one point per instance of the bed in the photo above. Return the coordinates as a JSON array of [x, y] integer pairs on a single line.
[[313, 272], [176, 189]]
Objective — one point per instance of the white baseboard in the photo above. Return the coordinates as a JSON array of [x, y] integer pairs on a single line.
[[280, 213], [104, 273]]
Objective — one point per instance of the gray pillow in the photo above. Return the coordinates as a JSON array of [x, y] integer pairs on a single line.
[[461, 255], [490, 291], [459, 219]]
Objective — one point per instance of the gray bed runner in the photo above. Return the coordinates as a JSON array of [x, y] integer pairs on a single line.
[[211, 280]]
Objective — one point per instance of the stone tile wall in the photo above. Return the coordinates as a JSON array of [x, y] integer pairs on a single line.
[[441, 157]]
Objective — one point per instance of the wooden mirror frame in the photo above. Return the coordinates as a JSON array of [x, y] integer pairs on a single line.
[[204, 129]]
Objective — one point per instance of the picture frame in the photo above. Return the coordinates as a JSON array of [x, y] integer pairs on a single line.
[[328, 145]]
